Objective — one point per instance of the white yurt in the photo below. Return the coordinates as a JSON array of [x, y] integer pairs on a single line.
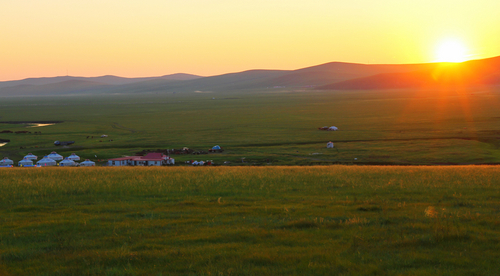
[[6, 161], [329, 145], [334, 128], [25, 162], [31, 156], [54, 156], [74, 157], [217, 147], [67, 163], [46, 161], [87, 163]]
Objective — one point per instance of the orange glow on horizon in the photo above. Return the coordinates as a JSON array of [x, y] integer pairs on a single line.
[[154, 37]]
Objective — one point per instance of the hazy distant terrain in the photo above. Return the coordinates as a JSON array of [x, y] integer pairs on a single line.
[[79, 85], [328, 76]]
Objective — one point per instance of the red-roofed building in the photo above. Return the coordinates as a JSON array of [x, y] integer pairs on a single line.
[[150, 159]]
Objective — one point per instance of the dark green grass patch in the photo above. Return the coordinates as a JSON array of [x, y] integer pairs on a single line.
[[375, 127]]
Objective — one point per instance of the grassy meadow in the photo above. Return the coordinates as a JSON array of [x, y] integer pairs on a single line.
[[307, 220], [257, 219], [424, 127]]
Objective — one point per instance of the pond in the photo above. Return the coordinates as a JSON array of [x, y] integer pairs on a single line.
[[39, 125]]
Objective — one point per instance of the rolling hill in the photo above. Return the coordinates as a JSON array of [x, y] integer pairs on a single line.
[[70, 85], [328, 76], [474, 73]]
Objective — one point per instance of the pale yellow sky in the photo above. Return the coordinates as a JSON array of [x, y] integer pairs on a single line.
[[158, 37]]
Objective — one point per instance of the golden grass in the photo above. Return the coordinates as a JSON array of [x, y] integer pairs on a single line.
[[250, 220]]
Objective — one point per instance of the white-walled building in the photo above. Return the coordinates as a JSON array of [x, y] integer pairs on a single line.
[[150, 159]]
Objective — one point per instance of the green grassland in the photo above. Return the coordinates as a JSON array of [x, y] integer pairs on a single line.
[[376, 127], [250, 220], [307, 220]]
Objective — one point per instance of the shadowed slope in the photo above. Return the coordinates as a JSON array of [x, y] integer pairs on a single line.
[[60, 88], [466, 74], [340, 71]]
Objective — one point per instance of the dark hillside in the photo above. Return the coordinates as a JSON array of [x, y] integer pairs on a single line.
[[466, 74], [60, 88]]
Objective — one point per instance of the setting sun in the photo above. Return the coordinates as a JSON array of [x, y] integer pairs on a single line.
[[451, 51]]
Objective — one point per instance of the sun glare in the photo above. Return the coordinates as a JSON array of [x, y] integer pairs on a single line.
[[451, 51]]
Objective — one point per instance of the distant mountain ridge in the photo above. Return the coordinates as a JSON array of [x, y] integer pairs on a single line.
[[328, 76], [108, 79], [473, 73]]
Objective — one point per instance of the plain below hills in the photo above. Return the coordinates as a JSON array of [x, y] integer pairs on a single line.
[[328, 76]]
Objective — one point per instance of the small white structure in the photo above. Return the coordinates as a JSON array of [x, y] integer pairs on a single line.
[[25, 162], [87, 163], [31, 156], [170, 161], [74, 157], [54, 156], [104, 136], [67, 163], [334, 128], [6, 161], [329, 145], [46, 161]]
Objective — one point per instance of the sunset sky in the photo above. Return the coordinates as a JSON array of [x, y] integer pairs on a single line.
[[158, 37]]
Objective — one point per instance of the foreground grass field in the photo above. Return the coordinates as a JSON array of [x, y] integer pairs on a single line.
[[336, 220]]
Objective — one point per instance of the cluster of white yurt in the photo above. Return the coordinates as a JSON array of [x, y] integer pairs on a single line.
[[48, 160]]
